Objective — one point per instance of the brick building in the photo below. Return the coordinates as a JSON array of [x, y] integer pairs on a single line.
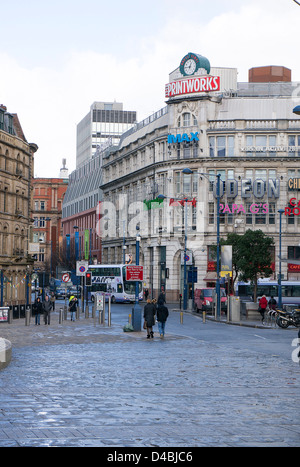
[[48, 195]]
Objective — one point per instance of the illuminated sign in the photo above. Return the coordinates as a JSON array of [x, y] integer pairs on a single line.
[[192, 85], [294, 210], [180, 138], [294, 184]]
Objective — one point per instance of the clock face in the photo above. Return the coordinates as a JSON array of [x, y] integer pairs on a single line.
[[190, 67]]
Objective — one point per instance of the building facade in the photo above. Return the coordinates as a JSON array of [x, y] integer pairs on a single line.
[[246, 132], [47, 234], [16, 171], [100, 128]]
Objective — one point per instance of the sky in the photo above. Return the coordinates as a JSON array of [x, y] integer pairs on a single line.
[[58, 57]]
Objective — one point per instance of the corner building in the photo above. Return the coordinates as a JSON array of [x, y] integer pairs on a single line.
[[246, 132]]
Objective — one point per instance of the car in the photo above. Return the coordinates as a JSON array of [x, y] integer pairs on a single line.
[[74, 291], [60, 292], [204, 299]]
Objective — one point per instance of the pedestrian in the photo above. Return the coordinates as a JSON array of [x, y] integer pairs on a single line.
[[262, 305], [52, 300], [272, 303], [161, 299], [47, 309], [73, 307], [162, 315], [149, 317], [146, 293], [38, 308]]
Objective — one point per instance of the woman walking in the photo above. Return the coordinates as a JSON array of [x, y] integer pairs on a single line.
[[149, 317], [38, 308], [162, 315]]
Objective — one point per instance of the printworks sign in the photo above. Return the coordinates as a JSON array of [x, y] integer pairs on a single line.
[[192, 85]]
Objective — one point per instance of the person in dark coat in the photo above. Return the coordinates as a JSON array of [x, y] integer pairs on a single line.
[[38, 308], [47, 306], [73, 307], [162, 315], [272, 303], [149, 317], [161, 299]]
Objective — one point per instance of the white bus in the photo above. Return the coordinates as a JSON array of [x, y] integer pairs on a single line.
[[111, 279], [290, 291]]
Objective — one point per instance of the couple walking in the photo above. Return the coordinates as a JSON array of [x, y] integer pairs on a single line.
[[161, 312]]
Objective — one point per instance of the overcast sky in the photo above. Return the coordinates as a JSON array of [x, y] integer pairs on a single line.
[[58, 57]]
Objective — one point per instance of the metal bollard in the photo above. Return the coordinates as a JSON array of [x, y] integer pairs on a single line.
[[65, 312], [129, 319], [204, 317], [61, 316], [27, 317], [87, 312], [181, 317], [94, 310], [109, 312], [10, 316]]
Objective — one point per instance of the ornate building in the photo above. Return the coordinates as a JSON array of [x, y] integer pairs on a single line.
[[212, 125], [16, 169]]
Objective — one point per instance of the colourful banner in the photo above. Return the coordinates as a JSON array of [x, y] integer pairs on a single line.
[[86, 244]]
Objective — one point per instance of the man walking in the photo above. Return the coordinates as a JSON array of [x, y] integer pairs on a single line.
[[47, 305]]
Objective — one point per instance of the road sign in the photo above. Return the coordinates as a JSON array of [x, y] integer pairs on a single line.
[[66, 277], [134, 273], [81, 268]]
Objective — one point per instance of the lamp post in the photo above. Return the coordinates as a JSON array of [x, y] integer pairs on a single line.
[[137, 310], [186, 171], [281, 211], [218, 175]]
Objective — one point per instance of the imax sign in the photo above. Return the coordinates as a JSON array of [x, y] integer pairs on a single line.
[[184, 137]]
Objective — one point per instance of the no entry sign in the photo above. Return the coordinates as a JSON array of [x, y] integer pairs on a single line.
[[66, 277], [134, 273]]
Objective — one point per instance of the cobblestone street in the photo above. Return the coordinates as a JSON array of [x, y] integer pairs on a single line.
[[82, 384]]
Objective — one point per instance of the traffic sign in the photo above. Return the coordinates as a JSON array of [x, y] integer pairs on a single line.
[[134, 273], [81, 268], [66, 277]]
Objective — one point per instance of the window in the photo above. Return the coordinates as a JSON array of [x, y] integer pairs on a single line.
[[294, 252], [186, 119], [221, 146], [260, 145], [42, 205], [294, 145], [211, 213]]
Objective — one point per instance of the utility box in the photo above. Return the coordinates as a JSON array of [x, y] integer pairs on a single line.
[[234, 309]]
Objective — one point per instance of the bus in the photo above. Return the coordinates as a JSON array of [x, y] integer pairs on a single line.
[[290, 291], [111, 279]]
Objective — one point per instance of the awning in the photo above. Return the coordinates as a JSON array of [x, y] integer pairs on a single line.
[[211, 276]]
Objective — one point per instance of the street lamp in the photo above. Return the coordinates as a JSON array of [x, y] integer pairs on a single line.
[[218, 175], [185, 200], [137, 310], [296, 110], [281, 211]]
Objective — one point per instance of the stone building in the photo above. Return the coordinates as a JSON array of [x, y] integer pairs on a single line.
[[212, 124], [16, 171]]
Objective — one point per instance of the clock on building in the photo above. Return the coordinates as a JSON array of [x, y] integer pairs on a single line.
[[192, 63]]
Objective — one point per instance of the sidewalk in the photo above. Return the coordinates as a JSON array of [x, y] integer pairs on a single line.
[[253, 323]]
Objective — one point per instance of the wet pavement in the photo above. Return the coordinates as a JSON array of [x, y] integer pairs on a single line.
[[84, 384]]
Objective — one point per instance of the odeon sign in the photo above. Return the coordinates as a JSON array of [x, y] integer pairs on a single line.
[[248, 188]]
